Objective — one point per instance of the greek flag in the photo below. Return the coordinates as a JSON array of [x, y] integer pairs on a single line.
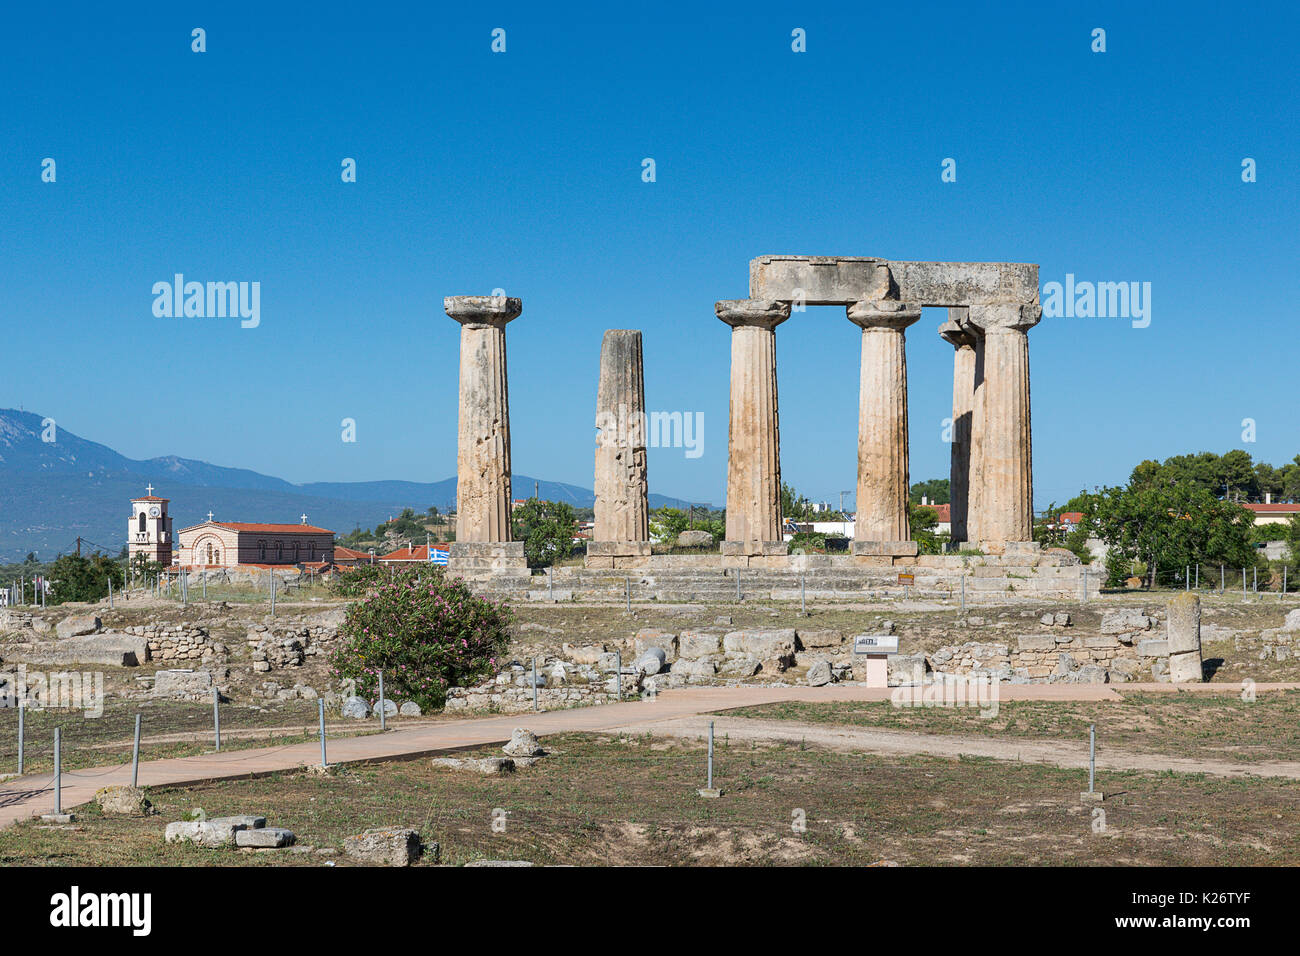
[[438, 556]]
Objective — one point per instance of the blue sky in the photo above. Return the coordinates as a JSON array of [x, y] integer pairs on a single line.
[[522, 171]]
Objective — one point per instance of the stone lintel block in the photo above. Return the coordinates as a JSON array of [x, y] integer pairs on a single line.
[[893, 549], [819, 280], [840, 280], [620, 549], [966, 283], [873, 561], [486, 556], [751, 548], [598, 562], [762, 313], [482, 310]]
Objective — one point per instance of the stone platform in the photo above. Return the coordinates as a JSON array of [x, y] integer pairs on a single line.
[[821, 577]]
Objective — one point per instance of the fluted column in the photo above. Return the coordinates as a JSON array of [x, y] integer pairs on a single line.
[[1006, 478], [483, 450], [622, 525], [881, 526], [753, 440], [956, 332]]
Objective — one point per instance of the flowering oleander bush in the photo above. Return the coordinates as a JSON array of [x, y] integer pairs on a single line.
[[426, 635]]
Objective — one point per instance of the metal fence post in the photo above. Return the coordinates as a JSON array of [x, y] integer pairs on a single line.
[[803, 588], [383, 711], [737, 585], [618, 675], [273, 594], [1092, 758], [135, 754], [1222, 579], [216, 717], [534, 683], [58, 771], [1243, 582], [963, 591], [1187, 578], [21, 708], [710, 783], [321, 707], [627, 593]]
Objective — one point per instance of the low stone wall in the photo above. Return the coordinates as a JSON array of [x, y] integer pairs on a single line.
[[174, 642]]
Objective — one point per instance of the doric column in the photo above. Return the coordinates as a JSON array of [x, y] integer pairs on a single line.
[[622, 508], [483, 449], [881, 526], [956, 331], [1006, 465], [753, 440]]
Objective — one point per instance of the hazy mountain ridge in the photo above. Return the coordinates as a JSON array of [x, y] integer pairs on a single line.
[[51, 493]]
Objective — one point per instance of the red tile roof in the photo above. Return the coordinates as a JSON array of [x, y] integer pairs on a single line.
[[944, 512], [1274, 508], [349, 554], [418, 553], [1071, 517], [271, 528]]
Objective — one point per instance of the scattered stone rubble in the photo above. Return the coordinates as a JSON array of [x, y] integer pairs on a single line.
[[246, 830]]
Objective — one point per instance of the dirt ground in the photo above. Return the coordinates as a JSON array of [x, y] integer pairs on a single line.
[[632, 800]]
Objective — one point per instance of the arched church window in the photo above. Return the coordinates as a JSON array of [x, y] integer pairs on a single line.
[[142, 522]]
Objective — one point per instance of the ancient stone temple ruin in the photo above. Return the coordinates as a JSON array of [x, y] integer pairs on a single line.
[[990, 309]]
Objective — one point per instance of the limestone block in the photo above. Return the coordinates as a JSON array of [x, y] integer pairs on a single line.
[[77, 625], [392, 846], [694, 644], [763, 644]]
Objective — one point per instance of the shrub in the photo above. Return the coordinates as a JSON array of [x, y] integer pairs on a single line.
[[425, 635]]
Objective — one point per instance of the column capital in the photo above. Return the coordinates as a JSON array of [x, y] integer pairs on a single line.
[[1007, 317], [957, 335], [883, 314], [480, 311], [762, 313]]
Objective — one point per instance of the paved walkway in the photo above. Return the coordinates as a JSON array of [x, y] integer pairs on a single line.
[[23, 797]]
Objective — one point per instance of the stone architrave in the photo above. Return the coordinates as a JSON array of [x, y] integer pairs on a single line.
[[957, 333], [753, 441], [1005, 499], [881, 526], [1184, 637], [483, 539], [622, 511]]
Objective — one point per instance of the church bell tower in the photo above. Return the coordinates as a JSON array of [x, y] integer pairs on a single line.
[[149, 530]]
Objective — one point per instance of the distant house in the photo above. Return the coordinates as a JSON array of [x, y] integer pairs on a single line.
[[1070, 520], [943, 513], [412, 555], [350, 557], [1270, 512], [232, 543]]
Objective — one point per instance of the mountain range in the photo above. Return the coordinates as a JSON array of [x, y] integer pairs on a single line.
[[54, 492]]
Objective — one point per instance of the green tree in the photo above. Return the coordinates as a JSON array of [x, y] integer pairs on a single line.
[[546, 528], [937, 490], [74, 577], [922, 522], [1172, 525]]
